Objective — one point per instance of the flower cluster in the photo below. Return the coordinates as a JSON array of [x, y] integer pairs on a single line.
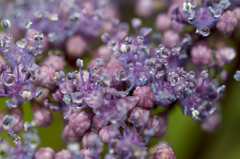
[[111, 101]]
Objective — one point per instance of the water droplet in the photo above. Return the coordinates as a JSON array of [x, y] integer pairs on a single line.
[[24, 70], [177, 47], [165, 53], [6, 48], [2, 43], [8, 38], [33, 78], [173, 78], [63, 90], [205, 32], [9, 79], [75, 81]]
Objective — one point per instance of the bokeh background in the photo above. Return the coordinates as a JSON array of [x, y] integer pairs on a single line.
[[184, 134]]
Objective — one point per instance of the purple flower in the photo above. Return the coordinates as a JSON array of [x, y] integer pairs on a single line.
[[159, 124], [87, 154]]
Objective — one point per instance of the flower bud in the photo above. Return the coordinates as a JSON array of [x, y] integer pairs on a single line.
[[98, 122], [201, 55], [79, 63], [227, 22], [170, 38], [55, 62], [139, 116], [164, 153], [136, 22], [44, 153], [42, 117], [75, 46], [163, 22], [159, 124], [146, 97], [211, 123], [225, 55], [69, 135], [79, 122], [107, 133], [15, 122], [87, 154], [64, 154], [91, 141], [237, 76]]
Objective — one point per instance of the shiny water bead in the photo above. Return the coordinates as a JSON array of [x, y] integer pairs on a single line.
[[217, 11], [12, 103], [75, 16], [38, 36], [5, 23], [105, 37], [2, 42], [177, 47], [8, 38], [139, 40], [7, 122], [21, 43], [99, 62], [122, 75], [8, 80], [204, 74], [191, 14], [173, 78], [111, 44], [6, 48], [165, 53], [17, 59], [204, 31], [31, 49], [187, 39], [38, 13], [144, 31], [28, 24], [237, 76], [129, 40], [79, 63], [77, 97], [187, 6]]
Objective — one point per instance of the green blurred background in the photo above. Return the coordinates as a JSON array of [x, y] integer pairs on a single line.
[[184, 134]]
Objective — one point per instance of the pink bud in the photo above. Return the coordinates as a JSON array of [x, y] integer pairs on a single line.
[[45, 78], [64, 154], [69, 135], [144, 8], [57, 95], [201, 55], [54, 61], [91, 141], [75, 46], [98, 122], [79, 122], [146, 97], [87, 154], [17, 123], [211, 123], [44, 95], [227, 22], [159, 124], [225, 55], [163, 22], [164, 153], [107, 133], [139, 116], [44, 153], [105, 52], [42, 117], [170, 38]]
